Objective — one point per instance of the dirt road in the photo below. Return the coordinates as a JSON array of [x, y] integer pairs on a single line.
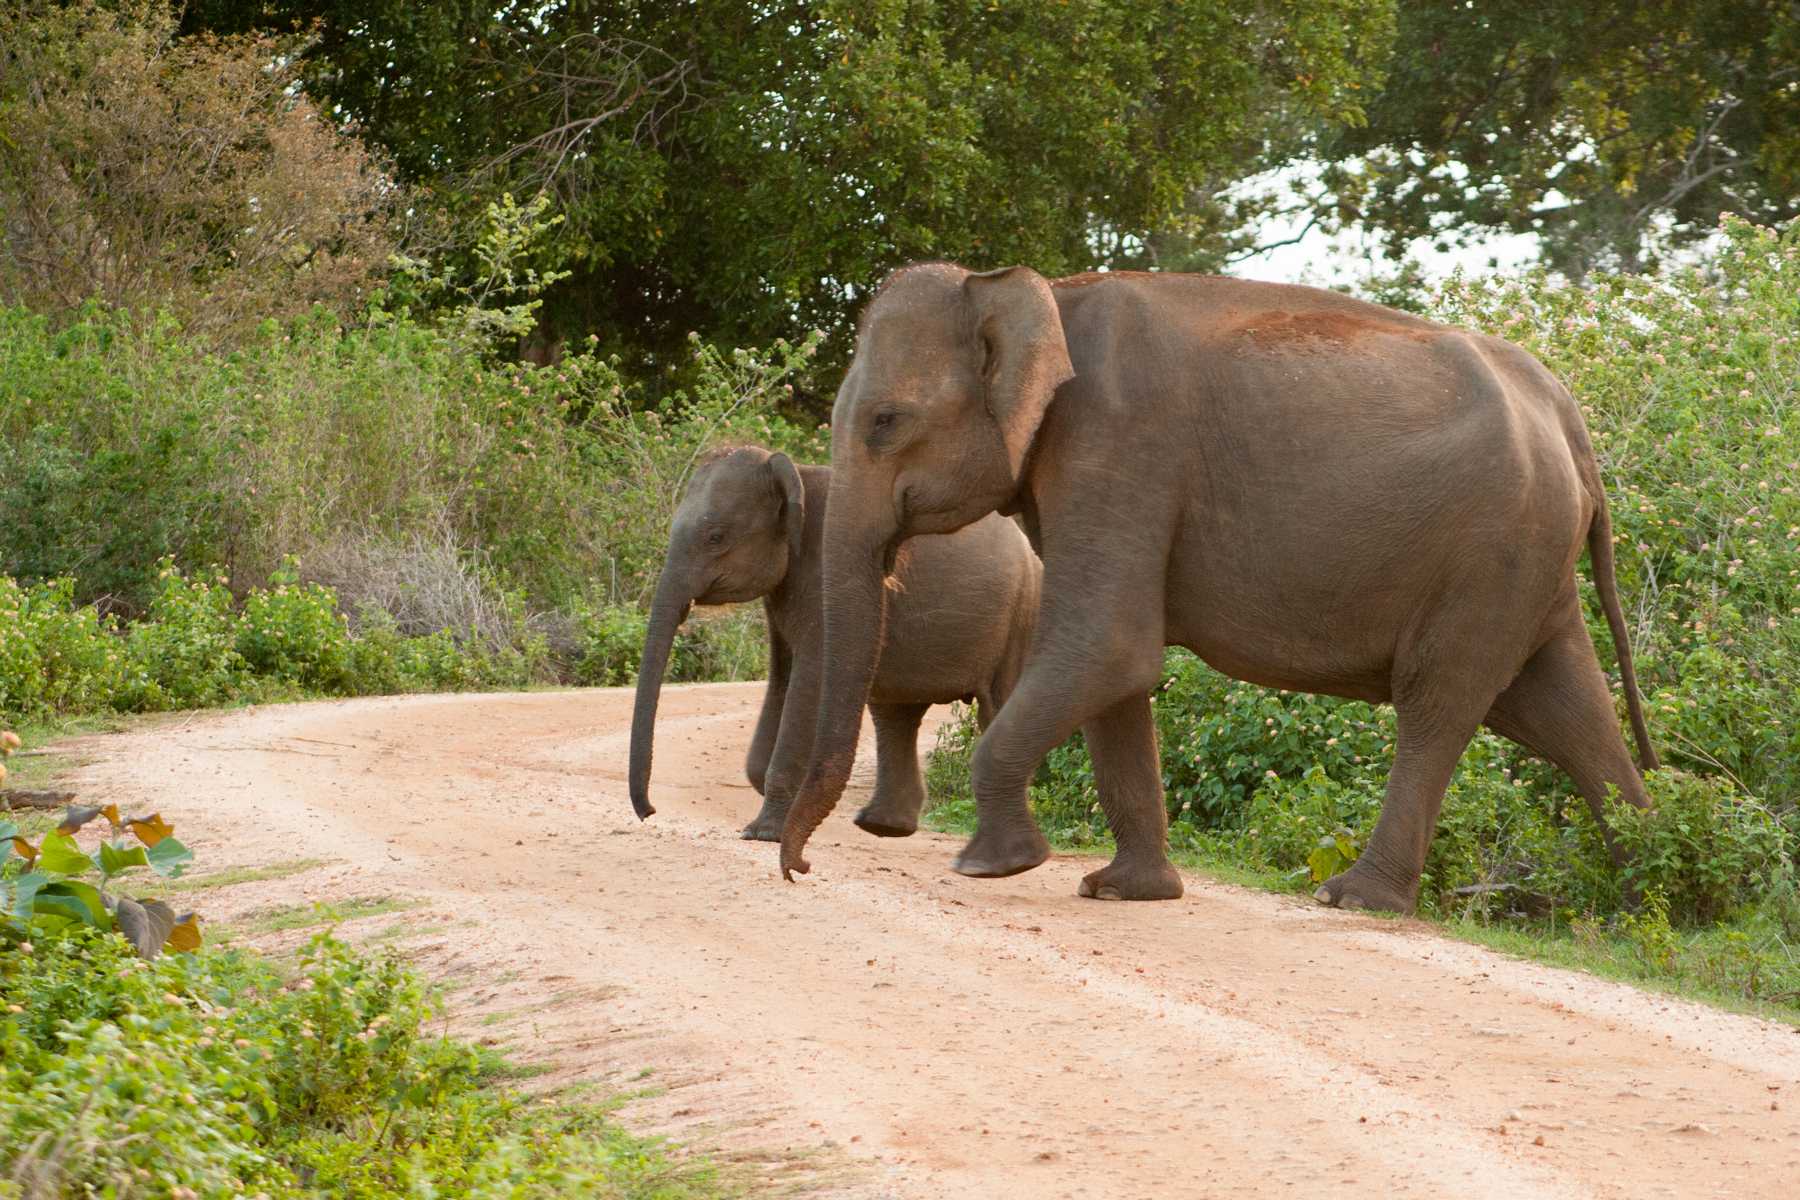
[[887, 1028]]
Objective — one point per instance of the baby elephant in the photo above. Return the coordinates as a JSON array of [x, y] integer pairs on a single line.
[[751, 525]]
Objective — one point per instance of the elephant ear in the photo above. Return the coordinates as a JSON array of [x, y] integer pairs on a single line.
[[793, 501], [1018, 332]]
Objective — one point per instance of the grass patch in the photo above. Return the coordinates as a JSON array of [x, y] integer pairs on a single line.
[[232, 876], [39, 771], [306, 916], [401, 931]]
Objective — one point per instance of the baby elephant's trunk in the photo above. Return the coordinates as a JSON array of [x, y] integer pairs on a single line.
[[667, 611]]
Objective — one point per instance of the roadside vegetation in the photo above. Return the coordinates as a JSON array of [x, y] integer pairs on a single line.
[[140, 1058], [1689, 380]]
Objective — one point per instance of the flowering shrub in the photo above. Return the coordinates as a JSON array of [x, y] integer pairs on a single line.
[[294, 632], [54, 655], [184, 654]]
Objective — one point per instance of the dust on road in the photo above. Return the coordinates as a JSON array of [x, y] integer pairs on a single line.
[[887, 1028]]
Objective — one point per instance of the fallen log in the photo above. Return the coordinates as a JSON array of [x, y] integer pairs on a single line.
[[27, 798]]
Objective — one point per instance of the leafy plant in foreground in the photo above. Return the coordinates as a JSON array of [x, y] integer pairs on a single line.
[[42, 885]]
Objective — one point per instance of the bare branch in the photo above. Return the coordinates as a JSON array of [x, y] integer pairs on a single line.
[[579, 86]]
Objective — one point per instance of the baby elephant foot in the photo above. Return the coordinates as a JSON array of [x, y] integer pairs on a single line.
[[991, 855], [1363, 887], [888, 820], [1133, 881], [766, 827]]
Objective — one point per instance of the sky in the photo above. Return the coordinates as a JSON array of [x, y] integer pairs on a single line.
[[1351, 257]]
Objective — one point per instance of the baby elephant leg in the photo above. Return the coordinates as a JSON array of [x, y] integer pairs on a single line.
[[899, 788]]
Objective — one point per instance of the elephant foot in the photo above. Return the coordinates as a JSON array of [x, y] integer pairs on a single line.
[[1133, 881], [992, 855], [1363, 887], [766, 827], [888, 821]]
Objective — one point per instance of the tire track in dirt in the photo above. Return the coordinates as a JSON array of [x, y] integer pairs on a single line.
[[888, 1028]]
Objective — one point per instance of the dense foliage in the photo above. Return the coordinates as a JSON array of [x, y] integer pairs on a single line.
[[1686, 380], [751, 170], [333, 508], [194, 648], [187, 174]]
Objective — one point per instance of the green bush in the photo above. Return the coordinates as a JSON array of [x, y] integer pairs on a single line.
[[1703, 846], [294, 633], [194, 648], [216, 1073], [611, 641], [184, 653], [55, 656]]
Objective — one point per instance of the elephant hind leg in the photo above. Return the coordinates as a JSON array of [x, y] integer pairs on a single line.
[[1428, 742], [899, 796], [1560, 707], [1444, 684]]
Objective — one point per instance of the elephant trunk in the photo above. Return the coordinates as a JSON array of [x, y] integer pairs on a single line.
[[667, 611], [856, 570]]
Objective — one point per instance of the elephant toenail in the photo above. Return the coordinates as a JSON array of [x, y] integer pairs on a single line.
[[1323, 895]]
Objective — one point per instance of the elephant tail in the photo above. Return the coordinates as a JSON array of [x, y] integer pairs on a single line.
[[1600, 553]]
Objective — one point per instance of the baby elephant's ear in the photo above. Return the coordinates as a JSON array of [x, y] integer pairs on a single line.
[[793, 501]]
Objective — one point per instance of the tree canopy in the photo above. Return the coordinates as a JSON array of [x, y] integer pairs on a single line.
[[1610, 128], [748, 170]]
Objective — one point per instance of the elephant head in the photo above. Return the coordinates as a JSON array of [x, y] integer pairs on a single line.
[[736, 532], [932, 430]]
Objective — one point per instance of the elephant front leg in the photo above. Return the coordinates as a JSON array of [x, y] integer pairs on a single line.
[[791, 751], [1127, 774], [899, 796], [1094, 656], [768, 724]]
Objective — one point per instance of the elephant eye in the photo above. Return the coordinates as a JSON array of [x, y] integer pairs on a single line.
[[883, 420], [715, 537]]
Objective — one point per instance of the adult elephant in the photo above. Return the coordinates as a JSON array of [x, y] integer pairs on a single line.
[[750, 526], [1308, 491]]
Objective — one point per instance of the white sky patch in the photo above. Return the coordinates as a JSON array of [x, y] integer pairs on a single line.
[[1354, 255]]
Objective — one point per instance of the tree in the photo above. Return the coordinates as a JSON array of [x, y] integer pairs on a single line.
[[751, 170], [157, 172], [1612, 128]]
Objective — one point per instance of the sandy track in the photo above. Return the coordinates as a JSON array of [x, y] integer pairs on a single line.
[[887, 1028]]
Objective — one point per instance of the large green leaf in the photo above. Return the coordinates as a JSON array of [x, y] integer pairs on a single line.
[[75, 900], [113, 860], [25, 889], [168, 857], [59, 854]]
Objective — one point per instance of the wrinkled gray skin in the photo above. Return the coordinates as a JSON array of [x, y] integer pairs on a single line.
[[750, 526], [1308, 491]]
